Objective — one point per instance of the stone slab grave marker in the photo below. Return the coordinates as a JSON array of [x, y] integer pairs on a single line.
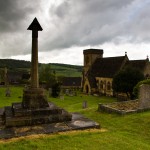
[[144, 96]]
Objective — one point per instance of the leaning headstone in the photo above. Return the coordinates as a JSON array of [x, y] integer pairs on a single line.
[[71, 93], [84, 104], [144, 96], [7, 92], [67, 92]]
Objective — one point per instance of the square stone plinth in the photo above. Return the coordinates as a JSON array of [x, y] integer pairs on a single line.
[[34, 98], [19, 116]]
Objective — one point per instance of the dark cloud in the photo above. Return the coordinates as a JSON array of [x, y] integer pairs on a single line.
[[88, 22], [72, 23], [14, 12], [14, 20]]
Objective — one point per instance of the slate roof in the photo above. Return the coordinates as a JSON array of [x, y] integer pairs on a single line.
[[71, 81], [107, 67], [138, 64]]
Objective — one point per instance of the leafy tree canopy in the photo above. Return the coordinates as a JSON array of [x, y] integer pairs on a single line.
[[47, 76], [125, 80]]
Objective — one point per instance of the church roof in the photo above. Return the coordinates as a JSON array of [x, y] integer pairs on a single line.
[[107, 67], [138, 64]]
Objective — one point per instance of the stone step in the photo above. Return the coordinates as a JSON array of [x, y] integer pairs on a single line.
[[1, 116], [19, 111], [16, 115], [34, 120]]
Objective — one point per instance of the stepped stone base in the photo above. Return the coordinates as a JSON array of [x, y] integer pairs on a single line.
[[78, 122], [33, 110], [19, 116], [35, 115]]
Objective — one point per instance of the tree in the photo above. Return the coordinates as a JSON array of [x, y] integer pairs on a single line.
[[56, 89], [125, 80], [47, 76]]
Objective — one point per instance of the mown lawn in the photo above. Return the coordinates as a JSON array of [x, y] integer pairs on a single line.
[[130, 132]]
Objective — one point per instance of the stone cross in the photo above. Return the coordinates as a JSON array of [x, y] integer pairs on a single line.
[[34, 97], [35, 27]]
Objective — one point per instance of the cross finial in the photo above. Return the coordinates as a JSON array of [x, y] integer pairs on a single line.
[[35, 25]]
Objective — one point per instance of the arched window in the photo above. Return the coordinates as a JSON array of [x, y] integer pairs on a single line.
[[147, 76], [87, 89], [108, 86], [101, 85]]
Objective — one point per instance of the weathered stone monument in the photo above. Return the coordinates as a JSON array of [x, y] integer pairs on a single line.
[[34, 97], [34, 108], [35, 112], [144, 96]]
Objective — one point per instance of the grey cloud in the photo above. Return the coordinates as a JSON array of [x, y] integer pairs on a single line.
[[72, 23], [81, 23], [14, 12], [14, 17]]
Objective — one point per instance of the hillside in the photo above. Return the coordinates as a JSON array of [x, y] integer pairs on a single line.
[[60, 69], [67, 70]]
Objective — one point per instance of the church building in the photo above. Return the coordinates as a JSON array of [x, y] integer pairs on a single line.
[[98, 71]]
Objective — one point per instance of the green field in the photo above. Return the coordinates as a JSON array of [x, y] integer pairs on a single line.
[[60, 69], [130, 132], [67, 70]]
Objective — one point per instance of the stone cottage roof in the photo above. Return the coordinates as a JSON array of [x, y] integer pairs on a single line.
[[71, 81]]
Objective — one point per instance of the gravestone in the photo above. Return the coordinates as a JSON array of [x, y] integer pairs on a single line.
[[144, 96], [84, 104], [7, 92], [62, 97], [67, 92]]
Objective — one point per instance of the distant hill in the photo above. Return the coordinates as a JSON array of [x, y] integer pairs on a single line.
[[13, 64], [67, 70], [60, 69]]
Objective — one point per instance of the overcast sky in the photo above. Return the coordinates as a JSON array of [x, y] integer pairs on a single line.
[[70, 26]]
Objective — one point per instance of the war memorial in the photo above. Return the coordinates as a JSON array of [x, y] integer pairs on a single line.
[[35, 115]]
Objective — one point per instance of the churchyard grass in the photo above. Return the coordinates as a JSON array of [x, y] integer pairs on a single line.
[[129, 132]]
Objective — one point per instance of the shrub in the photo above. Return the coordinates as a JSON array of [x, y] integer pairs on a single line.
[[136, 88]]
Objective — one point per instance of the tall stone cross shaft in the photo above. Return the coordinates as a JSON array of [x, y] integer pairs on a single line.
[[35, 27]]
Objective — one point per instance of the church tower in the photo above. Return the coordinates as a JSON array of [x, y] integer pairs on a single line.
[[90, 55]]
